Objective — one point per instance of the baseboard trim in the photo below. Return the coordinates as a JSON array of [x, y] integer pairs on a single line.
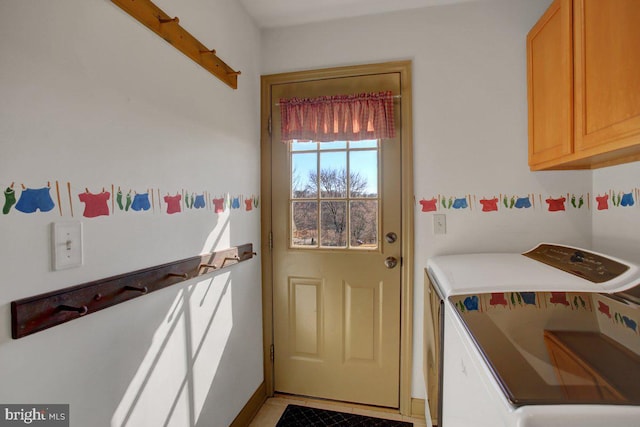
[[417, 408], [252, 407]]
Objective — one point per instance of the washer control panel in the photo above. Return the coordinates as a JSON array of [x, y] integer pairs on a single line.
[[593, 267]]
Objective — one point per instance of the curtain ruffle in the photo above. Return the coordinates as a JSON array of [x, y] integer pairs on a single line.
[[338, 118]]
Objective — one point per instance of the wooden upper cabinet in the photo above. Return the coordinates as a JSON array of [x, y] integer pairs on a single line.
[[607, 74], [550, 85], [584, 85]]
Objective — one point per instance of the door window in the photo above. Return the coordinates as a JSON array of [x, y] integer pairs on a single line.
[[334, 197]]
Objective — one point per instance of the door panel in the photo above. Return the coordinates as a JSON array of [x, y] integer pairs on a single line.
[[336, 305], [361, 316], [305, 314], [550, 85], [607, 36]]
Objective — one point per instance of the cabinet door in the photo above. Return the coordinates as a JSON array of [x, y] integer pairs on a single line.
[[550, 85], [607, 75]]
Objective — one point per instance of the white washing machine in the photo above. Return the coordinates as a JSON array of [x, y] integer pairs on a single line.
[[547, 338]]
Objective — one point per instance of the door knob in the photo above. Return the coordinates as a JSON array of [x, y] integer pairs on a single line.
[[390, 262]]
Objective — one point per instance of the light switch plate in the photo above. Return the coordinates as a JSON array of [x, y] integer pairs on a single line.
[[439, 224], [66, 238]]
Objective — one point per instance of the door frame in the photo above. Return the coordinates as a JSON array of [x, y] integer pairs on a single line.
[[407, 262]]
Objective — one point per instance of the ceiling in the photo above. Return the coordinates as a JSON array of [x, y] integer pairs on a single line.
[[282, 13]]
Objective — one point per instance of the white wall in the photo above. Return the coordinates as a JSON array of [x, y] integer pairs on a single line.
[[92, 98], [616, 226], [469, 122]]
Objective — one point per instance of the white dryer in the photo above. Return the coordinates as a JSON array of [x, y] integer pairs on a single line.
[[546, 338]]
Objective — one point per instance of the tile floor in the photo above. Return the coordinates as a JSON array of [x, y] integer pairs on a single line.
[[273, 408]]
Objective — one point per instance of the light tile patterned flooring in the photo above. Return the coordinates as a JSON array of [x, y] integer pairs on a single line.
[[273, 408]]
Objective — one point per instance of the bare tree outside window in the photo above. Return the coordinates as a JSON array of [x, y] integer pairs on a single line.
[[364, 223], [333, 184], [334, 206]]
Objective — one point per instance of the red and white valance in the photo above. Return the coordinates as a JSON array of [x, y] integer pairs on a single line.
[[338, 118]]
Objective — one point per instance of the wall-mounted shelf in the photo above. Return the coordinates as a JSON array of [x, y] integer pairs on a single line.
[[34, 314], [152, 17]]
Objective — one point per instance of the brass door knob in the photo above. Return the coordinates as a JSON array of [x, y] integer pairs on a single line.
[[390, 262]]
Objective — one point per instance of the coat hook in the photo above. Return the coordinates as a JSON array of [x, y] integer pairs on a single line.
[[80, 310], [233, 258], [183, 275], [208, 266], [168, 20], [212, 52], [233, 73], [141, 289], [249, 253]]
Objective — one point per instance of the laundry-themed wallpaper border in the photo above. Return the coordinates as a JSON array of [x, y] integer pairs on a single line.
[[68, 200], [558, 202]]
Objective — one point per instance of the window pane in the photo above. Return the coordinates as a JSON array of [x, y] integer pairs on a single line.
[[333, 174], [304, 168], [303, 146], [337, 220], [333, 224], [304, 226], [363, 218], [367, 143], [363, 174], [333, 145]]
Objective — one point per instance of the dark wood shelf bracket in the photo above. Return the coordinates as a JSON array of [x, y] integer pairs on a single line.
[[36, 313]]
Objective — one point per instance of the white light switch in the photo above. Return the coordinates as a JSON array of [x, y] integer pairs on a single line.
[[67, 244], [439, 224]]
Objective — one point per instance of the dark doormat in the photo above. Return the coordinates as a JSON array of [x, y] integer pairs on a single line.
[[302, 416]]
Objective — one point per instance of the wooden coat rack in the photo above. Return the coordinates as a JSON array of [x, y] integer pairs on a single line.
[[34, 314], [152, 17]]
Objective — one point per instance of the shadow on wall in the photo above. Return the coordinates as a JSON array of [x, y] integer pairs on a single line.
[[175, 375], [173, 380]]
